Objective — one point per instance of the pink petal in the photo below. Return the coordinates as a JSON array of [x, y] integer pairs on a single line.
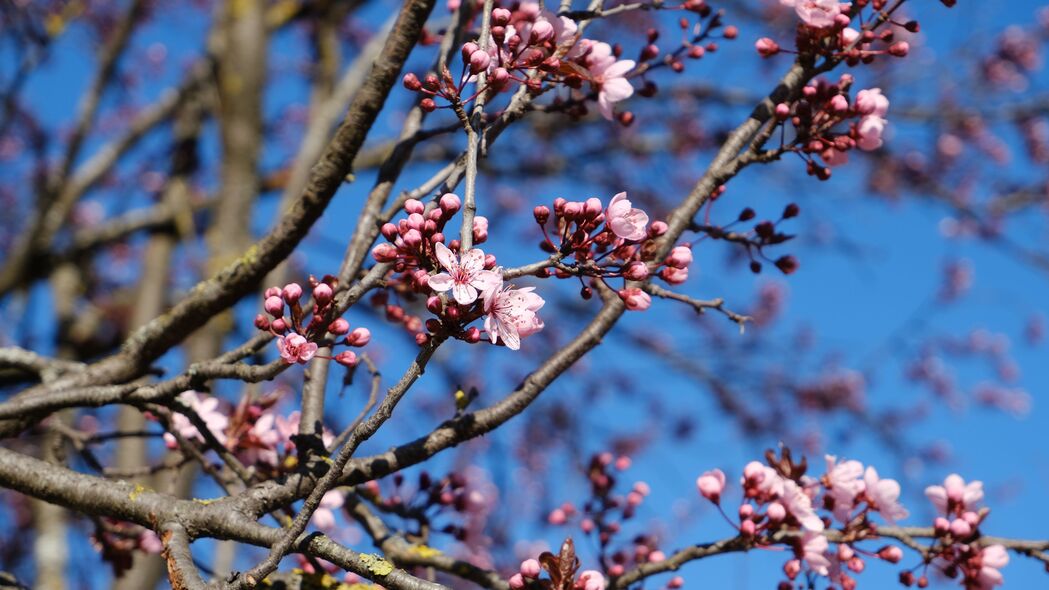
[[472, 261], [440, 282], [618, 69], [464, 294], [446, 257]]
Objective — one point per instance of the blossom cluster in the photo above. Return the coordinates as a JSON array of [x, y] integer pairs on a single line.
[[297, 339], [781, 502], [607, 242], [465, 286], [824, 30]]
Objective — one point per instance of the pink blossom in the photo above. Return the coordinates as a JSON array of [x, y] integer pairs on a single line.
[[624, 220], [992, 559], [711, 484], [207, 409], [264, 438], [798, 503], [608, 75], [818, 14], [814, 548], [872, 102], [884, 495], [324, 516], [516, 581], [680, 257], [149, 542], [294, 348], [843, 485], [590, 580], [635, 299], [955, 494], [511, 315], [530, 569], [466, 277], [870, 129]]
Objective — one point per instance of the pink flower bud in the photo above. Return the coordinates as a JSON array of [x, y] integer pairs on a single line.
[[557, 517], [960, 528], [573, 210], [468, 49], [839, 103], [676, 582], [322, 294], [414, 206], [657, 228], [390, 231], [479, 61], [792, 568], [272, 292], [499, 78], [274, 306], [416, 221], [674, 276], [450, 203], [941, 525], [746, 511], [262, 322], [384, 253], [711, 484], [359, 337], [541, 214], [680, 257], [899, 49], [593, 207], [339, 327], [766, 47], [845, 552], [656, 557], [347, 358], [635, 299], [891, 553], [500, 17], [413, 238], [530, 569], [636, 271], [411, 82], [279, 325], [480, 229], [747, 528], [292, 292], [623, 463], [516, 582]]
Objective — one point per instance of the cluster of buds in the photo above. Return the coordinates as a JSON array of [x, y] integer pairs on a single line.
[[411, 241], [298, 339], [617, 241], [754, 242], [817, 116], [824, 31]]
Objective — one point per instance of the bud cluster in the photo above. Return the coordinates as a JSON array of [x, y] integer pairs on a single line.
[[299, 339]]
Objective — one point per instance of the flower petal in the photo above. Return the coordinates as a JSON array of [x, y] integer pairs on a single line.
[[440, 282], [446, 257]]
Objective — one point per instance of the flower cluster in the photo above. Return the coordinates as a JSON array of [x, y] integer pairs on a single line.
[[817, 116], [536, 48], [297, 339], [617, 241], [780, 498], [824, 30], [464, 287]]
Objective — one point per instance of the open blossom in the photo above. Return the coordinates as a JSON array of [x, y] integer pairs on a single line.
[[261, 444], [818, 14], [798, 503], [294, 348], [869, 130], [711, 484], [466, 278], [626, 221], [207, 409], [843, 485], [814, 548], [872, 102], [608, 76], [884, 496], [955, 494], [992, 559], [511, 315]]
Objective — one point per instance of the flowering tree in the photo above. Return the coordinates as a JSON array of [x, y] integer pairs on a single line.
[[210, 387]]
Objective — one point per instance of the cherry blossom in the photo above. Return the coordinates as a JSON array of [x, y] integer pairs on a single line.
[[590, 580], [711, 484], [818, 14], [624, 220], [511, 315], [466, 278], [814, 548], [799, 504], [843, 485], [992, 559], [635, 299], [870, 129], [955, 495], [883, 495], [294, 348], [872, 102], [608, 76], [208, 410], [324, 516]]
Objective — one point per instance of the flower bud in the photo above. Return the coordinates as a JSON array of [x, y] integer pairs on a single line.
[[468, 50], [272, 292], [414, 206], [279, 325], [262, 322], [766, 47], [411, 82], [500, 17], [636, 271], [479, 61], [359, 337], [530, 569], [450, 203], [541, 214], [635, 299], [413, 239], [542, 31], [679, 257], [657, 228], [274, 306], [899, 49], [384, 253], [322, 294], [347, 358], [339, 327]]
